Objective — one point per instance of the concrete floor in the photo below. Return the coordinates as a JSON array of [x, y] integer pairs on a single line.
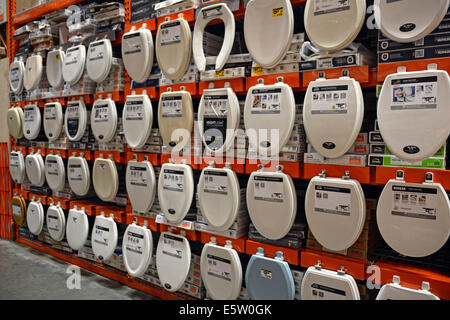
[[26, 273]]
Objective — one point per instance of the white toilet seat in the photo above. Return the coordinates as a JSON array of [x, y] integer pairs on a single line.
[[105, 179], [14, 118], [99, 60], [173, 260], [74, 63], [104, 119], [17, 166], [55, 173], [137, 118], [104, 237], [79, 176], [394, 291], [56, 222], [16, 76], [34, 165], [137, 53], [137, 248], [77, 229], [31, 121], [53, 120], [207, 14], [75, 120], [55, 63], [141, 185], [33, 72], [35, 217]]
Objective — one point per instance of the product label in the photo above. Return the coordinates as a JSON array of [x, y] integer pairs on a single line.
[[52, 167], [135, 242], [53, 223], [330, 6], [138, 176], [29, 114], [414, 202], [216, 105], [173, 180], [96, 51], [134, 110], [13, 160], [72, 56], [173, 246], [101, 235], [16, 210], [14, 75], [172, 107], [332, 200], [329, 100], [266, 101], [219, 267], [216, 182], [170, 33], [277, 12], [101, 113], [50, 112], [75, 172], [414, 93], [73, 118], [266, 274], [212, 12], [132, 43], [269, 189], [215, 132], [321, 291]]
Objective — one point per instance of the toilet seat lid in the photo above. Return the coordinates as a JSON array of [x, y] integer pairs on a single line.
[[99, 60], [53, 120], [394, 291], [218, 116], [55, 62], [14, 118], [19, 210], [104, 237], [141, 185], [338, 106], [207, 14], [219, 197], [31, 121], [79, 175], [56, 222], [137, 118], [332, 25], [35, 217], [265, 22], [269, 108], [55, 172], [413, 115], [221, 272], [34, 166], [271, 203], [175, 191], [137, 249], [105, 179], [75, 120], [174, 48], [33, 72], [17, 166], [74, 62], [408, 21], [104, 119], [335, 211], [16, 75], [77, 229], [322, 284], [137, 54], [173, 260], [175, 119]]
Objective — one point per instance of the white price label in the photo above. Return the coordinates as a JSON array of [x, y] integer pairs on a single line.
[[16, 210], [101, 113], [332, 200], [75, 173], [134, 110], [135, 242], [219, 267], [172, 107], [53, 223], [138, 176], [101, 235], [414, 202], [216, 182], [268, 189], [330, 6], [330, 100], [173, 180], [266, 101], [173, 246], [414, 93], [171, 33]]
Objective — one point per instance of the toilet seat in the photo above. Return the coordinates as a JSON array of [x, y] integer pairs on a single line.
[[55, 63], [408, 21], [137, 118], [332, 25], [55, 173], [104, 237], [56, 222], [105, 179], [137, 248], [104, 119], [175, 119], [413, 115], [34, 166], [221, 271], [137, 53], [207, 14], [79, 176], [394, 291], [74, 62], [75, 120], [219, 197], [174, 48], [141, 185], [175, 191], [322, 284], [16, 75], [31, 121], [19, 210], [17, 166], [218, 116], [14, 118], [333, 113], [413, 218], [33, 72], [77, 229], [173, 260], [35, 217], [269, 108], [335, 211], [271, 203], [268, 30], [99, 60], [53, 120]]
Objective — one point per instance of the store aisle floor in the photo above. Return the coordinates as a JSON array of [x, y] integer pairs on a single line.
[[26, 273]]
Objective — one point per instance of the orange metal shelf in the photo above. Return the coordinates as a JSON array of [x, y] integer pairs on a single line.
[[238, 244], [152, 92], [88, 155], [43, 199], [151, 223], [293, 169], [117, 156], [384, 174], [63, 203], [189, 87], [42, 10], [62, 153], [188, 15], [35, 149], [152, 157], [189, 234], [150, 25], [293, 79], [291, 256], [359, 73], [193, 161], [117, 96], [236, 84], [362, 174], [88, 206], [237, 165], [118, 212]]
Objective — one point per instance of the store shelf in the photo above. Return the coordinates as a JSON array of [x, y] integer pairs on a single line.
[[385, 69], [291, 256], [293, 79], [39, 11], [238, 244], [362, 174], [384, 174], [359, 73]]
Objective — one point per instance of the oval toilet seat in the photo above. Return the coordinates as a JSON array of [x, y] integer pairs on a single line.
[[74, 63], [56, 222], [104, 237], [78, 175], [75, 120], [53, 120], [137, 53], [55, 172], [34, 165], [35, 217], [54, 66], [104, 119], [105, 179], [394, 291], [16, 76], [17, 166], [19, 210], [31, 121], [137, 118], [141, 185], [77, 229], [14, 118], [99, 60], [137, 249], [33, 72]]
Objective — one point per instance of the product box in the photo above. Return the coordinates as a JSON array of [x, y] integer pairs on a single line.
[[357, 148], [375, 137], [345, 60], [376, 160], [435, 52], [431, 40], [381, 148], [224, 74], [281, 68], [355, 160]]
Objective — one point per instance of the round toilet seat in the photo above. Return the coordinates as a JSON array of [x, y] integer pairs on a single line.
[[99, 60], [79, 176], [33, 72], [175, 119], [55, 63], [141, 185], [35, 217], [173, 260], [268, 30], [14, 118], [55, 172], [74, 63], [104, 237], [394, 291], [17, 166], [19, 210], [206, 15], [77, 229], [338, 106], [34, 166], [16, 76], [137, 248], [56, 222], [104, 119], [137, 54], [137, 118], [105, 179], [75, 120], [31, 121], [53, 120]]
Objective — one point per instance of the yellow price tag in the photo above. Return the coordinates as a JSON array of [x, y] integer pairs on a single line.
[[277, 12], [220, 74], [258, 71]]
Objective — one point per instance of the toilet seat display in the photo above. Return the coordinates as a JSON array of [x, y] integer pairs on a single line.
[[17, 166], [31, 121], [221, 271], [34, 166], [218, 116], [269, 279], [56, 222], [77, 229], [173, 260], [137, 248], [14, 118], [19, 210], [408, 21], [78, 175], [268, 30], [413, 218], [269, 108], [53, 120], [105, 179], [175, 191], [55, 172], [75, 120], [394, 291], [104, 237], [174, 48], [271, 203], [322, 284], [206, 15], [33, 72], [55, 62], [219, 197], [335, 211], [175, 119], [74, 62], [35, 217], [413, 114], [333, 24], [141, 185], [333, 113], [137, 120], [16, 75], [99, 60], [137, 53], [104, 119]]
